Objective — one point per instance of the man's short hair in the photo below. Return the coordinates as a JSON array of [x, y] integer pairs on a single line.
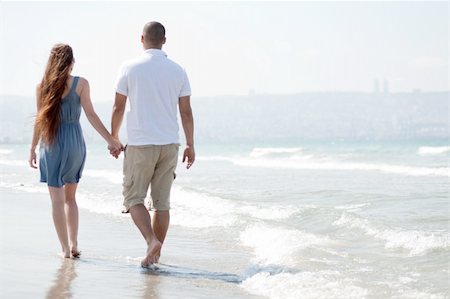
[[154, 33]]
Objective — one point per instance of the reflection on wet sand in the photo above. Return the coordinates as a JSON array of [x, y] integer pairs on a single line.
[[151, 287], [63, 279], [155, 286]]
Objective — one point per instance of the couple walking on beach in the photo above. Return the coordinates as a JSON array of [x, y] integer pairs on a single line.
[[155, 87]]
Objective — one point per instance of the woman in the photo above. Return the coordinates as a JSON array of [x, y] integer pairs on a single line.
[[60, 97]]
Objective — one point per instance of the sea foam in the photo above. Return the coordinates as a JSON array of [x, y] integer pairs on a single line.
[[197, 210], [112, 176], [201, 210], [21, 163], [29, 188], [6, 151], [305, 285], [414, 241], [277, 245], [275, 151], [293, 158], [275, 212], [433, 150]]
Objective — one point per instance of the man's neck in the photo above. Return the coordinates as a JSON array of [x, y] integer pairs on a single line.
[[149, 47]]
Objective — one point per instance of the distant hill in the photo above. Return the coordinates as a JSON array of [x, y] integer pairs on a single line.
[[306, 116]]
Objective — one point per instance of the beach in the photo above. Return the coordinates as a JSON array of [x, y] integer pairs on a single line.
[[322, 147], [278, 221], [110, 261]]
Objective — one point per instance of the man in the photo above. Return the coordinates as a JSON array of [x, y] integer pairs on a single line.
[[155, 87]]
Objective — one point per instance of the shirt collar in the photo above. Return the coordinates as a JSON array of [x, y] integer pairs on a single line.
[[155, 52]]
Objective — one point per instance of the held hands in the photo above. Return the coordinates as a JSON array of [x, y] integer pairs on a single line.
[[32, 159], [189, 156], [115, 147]]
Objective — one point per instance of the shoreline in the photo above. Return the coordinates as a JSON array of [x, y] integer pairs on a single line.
[[110, 262]]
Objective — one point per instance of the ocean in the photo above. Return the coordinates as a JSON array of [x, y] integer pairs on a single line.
[[314, 219]]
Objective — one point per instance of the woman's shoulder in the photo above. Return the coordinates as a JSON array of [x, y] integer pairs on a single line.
[[82, 84], [82, 80]]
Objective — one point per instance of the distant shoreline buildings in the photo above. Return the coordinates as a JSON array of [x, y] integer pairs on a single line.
[[377, 115], [376, 87]]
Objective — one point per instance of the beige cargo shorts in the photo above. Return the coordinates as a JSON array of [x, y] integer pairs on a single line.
[[147, 166]]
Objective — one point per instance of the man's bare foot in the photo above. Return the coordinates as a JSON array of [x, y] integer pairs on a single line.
[[75, 253], [158, 254], [153, 249]]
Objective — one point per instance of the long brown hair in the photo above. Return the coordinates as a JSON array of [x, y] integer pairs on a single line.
[[52, 87]]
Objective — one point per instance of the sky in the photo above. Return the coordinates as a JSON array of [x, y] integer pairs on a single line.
[[237, 47]]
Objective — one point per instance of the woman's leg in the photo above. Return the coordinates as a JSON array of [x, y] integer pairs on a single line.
[[71, 209], [59, 218]]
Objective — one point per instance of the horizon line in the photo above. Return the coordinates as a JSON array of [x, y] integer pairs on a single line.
[[254, 94]]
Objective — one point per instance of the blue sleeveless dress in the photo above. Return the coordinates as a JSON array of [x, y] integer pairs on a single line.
[[63, 161]]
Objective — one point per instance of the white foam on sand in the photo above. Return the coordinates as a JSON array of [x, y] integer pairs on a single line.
[[407, 285], [276, 212], [414, 241], [101, 203], [305, 285], [433, 150], [258, 152], [112, 176], [6, 151], [201, 210], [353, 207], [276, 245], [8, 162], [33, 188], [197, 210], [190, 208], [417, 294]]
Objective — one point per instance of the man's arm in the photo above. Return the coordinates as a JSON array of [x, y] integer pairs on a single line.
[[117, 114], [187, 121]]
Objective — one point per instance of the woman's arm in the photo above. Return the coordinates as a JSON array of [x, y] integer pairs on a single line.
[[34, 142], [86, 103]]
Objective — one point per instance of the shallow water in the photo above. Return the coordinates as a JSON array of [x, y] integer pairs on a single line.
[[317, 220]]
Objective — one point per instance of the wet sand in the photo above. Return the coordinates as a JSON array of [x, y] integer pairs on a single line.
[[111, 252]]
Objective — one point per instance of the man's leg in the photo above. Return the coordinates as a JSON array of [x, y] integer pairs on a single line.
[[141, 218], [160, 224], [139, 165], [161, 185]]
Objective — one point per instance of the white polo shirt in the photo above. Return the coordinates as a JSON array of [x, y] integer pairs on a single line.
[[153, 84]]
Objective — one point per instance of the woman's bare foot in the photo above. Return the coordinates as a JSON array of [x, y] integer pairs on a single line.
[[65, 253], [154, 247]]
